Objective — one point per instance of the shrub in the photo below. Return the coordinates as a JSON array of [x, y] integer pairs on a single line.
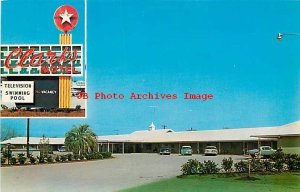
[[241, 167], [4, 107], [7, 154], [98, 155], [298, 163], [192, 167], [57, 159], [77, 108], [210, 167], [63, 158], [256, 165], [53, 110], [227, 164], [94, 155], [50, 159], [41, 159], [3, 159], [32, 159], [279, 165], [13, 160], [67, 110], [279, 158], [21, 158], [277, 155], [82, 157], [70, 157], [76, 156], [292, 161], [268, 165], [12, 109], [106, 154], [89, 156]]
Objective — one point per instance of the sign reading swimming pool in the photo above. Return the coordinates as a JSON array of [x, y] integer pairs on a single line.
[[18, 91]]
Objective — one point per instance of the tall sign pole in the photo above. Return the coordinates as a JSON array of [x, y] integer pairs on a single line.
[[65, 19], [27, 133]]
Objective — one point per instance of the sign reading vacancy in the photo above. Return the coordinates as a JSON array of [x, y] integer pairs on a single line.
[[18, 91], [41, 60]]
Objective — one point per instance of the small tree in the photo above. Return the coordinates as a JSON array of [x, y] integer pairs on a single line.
[[192, 167], [279, 158], [44, 147], [22, 158], [292, 161], [241, 166], [81, 140], [210, 167], [227, 164]]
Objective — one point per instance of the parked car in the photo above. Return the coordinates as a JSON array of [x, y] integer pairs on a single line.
[[211, 150], [186, 150], [165, 151], [262, 151], [62, 149]]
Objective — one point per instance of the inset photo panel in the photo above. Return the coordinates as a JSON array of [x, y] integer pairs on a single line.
[[44, 74]]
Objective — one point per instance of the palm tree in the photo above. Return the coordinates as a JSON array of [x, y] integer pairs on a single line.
[[80, 139]]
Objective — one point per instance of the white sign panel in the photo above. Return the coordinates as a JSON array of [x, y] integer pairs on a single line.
[[17, 91]]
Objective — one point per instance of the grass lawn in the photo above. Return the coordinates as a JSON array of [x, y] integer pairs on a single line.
[[286, 182]]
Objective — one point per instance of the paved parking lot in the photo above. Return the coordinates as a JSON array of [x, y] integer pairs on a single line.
[[122, 172]]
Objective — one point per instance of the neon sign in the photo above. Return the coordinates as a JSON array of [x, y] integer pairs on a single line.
[[41, 60]]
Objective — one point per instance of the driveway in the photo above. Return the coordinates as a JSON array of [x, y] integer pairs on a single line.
[[124, 171]]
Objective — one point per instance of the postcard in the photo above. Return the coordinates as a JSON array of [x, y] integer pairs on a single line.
[[150, 95]]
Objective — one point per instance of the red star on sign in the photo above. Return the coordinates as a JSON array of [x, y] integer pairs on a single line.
[[66, 18]]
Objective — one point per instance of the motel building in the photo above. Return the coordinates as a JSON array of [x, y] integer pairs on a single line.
[[228, 141]]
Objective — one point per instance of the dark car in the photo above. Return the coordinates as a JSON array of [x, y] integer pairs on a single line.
[[165, 151]]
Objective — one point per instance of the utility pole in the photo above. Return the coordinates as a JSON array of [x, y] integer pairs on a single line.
[[27, 144], [164, 126]]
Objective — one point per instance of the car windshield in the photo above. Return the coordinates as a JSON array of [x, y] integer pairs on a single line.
[[266, 148], [186, 147], [211, 147]]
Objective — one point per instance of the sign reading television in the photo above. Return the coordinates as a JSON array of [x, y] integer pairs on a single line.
[[41, 60], [18, 91]]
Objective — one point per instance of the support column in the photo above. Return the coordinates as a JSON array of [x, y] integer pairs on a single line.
[[198, 148], [112, 148], [107, 146], [123, 148], [27, 143], [259, 145], [65, 82], [219, 147]]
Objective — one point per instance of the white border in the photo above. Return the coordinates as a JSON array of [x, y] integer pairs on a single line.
[[85, 66], [85, 54]]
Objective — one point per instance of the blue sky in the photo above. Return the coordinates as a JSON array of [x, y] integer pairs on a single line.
[[227, 48]]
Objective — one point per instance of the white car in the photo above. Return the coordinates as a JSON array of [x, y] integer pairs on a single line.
[[211, 150], [62, 149]]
